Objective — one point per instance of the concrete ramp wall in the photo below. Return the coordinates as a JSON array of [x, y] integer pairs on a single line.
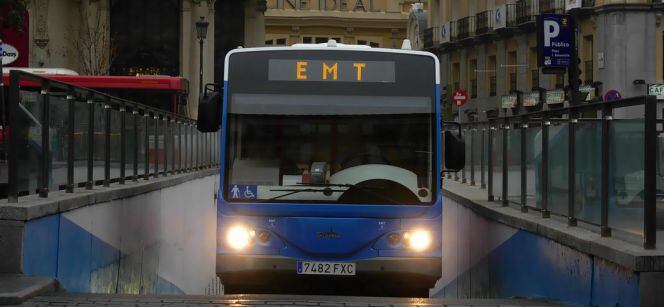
[[488, 253], [153, 240]]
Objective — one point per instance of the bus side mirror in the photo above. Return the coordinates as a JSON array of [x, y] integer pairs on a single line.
[[455, 152], [209, 112]]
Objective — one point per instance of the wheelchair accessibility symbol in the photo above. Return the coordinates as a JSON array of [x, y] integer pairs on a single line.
[[241, 191]]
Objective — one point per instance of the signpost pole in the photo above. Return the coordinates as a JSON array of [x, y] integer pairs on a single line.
[[2, 96], [573, 71]]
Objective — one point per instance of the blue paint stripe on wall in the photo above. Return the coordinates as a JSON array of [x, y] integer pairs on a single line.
[[40, 248], [527, 265], [57, 247]]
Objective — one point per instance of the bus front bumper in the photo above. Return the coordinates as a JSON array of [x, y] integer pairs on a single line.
[[263, 268]]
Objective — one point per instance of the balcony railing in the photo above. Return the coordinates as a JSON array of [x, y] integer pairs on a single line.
[[484, 22], [526, 11], [522, 161], [552, 6], [430, 37], [511, 15], [466, 27]]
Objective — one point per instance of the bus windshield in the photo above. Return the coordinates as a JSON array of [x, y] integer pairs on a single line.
[[341, 149]]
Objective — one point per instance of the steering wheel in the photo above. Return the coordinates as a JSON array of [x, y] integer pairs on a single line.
[[363, 158]]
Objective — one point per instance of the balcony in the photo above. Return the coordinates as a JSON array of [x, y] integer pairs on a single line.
[[465, 28], [430, 37], [552, 6], [484, 22], [526, 11], [511, 16]]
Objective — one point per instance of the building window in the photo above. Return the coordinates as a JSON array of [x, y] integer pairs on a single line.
[[560, 81], [456, 76], [534, 73], [588, 52], [491, 72], [319, 39], [472, 74], [276, 42], [146, 37], [511, 71], [372, 41]]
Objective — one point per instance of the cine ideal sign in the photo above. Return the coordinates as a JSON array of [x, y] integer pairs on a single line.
[[554, 40]]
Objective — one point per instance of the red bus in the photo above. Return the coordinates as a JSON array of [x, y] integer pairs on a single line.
[[163, 92]]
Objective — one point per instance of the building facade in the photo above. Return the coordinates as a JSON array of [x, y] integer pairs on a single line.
[[489, 49], [377, 23], [147, 37]]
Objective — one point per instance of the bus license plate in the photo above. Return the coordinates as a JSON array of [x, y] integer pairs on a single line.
[[325, 268]]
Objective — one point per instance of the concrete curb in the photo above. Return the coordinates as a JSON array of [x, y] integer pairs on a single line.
[[623, 253], [15, 289]]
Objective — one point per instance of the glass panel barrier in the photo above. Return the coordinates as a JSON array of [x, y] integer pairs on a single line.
[[588, 174], [533, 165], [514, 165], [558, 167], [626, 185], [497, 156], [59, 119]]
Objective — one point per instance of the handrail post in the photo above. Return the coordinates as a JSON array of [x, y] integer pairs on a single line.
[[166, 132], [71, 122], [91, 143], [45, 138], [490, 163], [505, 183], [156, 146], [463, 171], [136, 114], [482, 157], [14, 137], [650, 176], [123, 143], [571, 169], [172, 140], [472, 156], [107, 144], [545, 167], [146, 164], [180, 151], [606, 146], [524, 168]]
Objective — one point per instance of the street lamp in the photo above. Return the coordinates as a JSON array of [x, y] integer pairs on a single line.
[[201, 33]]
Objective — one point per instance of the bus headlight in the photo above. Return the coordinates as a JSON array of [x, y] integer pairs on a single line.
[[239, 237], [418, 240]]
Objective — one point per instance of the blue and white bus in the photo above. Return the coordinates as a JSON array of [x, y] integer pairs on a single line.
[[331, 168]]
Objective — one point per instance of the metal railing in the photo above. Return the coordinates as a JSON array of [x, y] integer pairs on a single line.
[[431, 37], [484, 22], [526, 11], [465, 27], [525, 160], [64, 136], [552, 6], [511, 18]]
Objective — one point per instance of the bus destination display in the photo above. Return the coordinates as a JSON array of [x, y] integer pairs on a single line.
[[330, 70]]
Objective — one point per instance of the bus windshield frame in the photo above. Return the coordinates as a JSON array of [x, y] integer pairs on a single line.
[[333, 137]]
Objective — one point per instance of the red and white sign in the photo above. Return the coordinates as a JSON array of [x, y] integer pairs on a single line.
[[16, 44], [459, 97]]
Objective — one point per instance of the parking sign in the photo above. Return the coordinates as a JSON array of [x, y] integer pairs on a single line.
[[554, 40]]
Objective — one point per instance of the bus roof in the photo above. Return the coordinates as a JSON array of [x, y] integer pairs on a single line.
[[333, 46], [177, 84]]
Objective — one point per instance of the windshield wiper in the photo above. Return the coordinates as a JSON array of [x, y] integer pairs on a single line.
[[327, 192], [364, 189]]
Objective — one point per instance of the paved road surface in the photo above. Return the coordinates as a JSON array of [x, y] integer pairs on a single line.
[[59, 299]]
